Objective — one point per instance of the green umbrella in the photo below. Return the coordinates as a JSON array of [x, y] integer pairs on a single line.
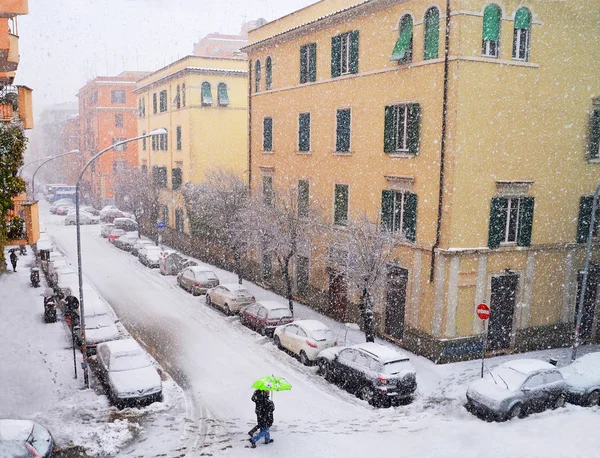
[[272, 383]]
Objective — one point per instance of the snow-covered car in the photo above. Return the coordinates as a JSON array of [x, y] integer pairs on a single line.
[[171, 262], [91, 210], [230, 297], [98, 328], [516, 388], [106, 228], [304, 338], [126, 241], [149, 255], [264, 316], [64, 209], [58, 203], [109, 216], [24, 438], [84, 218], [197, 280], [106, 209], [114, 234], [139, 244], [377, 374], [583, 380], [126, 224], [128, 373]]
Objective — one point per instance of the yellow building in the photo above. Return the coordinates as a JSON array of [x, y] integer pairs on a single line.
[[203, 104], [476, 134]]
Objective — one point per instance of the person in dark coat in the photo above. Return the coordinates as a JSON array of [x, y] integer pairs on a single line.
[[259, 398], [13, 260], [265, 421]]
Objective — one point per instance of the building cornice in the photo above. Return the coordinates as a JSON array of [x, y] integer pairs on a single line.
[[191, 71]]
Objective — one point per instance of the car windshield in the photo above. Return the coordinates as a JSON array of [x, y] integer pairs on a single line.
[[279, 313], [129, 361], [394, 367], [242, 293], [506, 377], [323, 334]]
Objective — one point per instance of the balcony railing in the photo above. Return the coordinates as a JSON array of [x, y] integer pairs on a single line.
[[15, 104], [23, 223]]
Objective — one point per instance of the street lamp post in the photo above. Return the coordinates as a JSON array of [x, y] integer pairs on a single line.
[[31, 163], [50, 158], [84, 363], [588, 254]]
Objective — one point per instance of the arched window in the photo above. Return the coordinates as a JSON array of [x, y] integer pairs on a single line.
[[257, 76], [183, 101], [206, 93], [223, 97], [432, 33], [522, 34], [268, 73], [178, 97], [403, 50], [491, 31]]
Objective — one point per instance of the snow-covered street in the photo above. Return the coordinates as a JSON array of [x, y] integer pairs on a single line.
[[216, 360]]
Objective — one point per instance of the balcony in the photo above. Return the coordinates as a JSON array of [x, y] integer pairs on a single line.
[[9, 53], [16, 105], [23, 222], [11, 8]]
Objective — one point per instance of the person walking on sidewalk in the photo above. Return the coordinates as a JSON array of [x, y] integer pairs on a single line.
[[265, 421], [13, 260], [259, 398]]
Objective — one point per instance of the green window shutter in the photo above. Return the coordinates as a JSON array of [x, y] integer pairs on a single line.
[[585, 218], [303, 63], [312, 59], [388, 131], [387, 210], [303, 195], [336, 56], [409, 221], [497, 221], [268, 73], [268, 134], [304, 132], [491, 23], [432, 33], [342, 132], [206, 94], [176, 178], [354, 51], [525, 221], [595, 135], [404, 39], [522, 19], [340, 214], [222, 93], [414, 120]]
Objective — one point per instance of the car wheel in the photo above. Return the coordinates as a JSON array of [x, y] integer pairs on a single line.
[[593, 398], [227, 310], [194, 292], [559, 402], [243, 320], [304, 358], [515, 411], [208, 300], [277, 342], [366, 394], [262, 331]]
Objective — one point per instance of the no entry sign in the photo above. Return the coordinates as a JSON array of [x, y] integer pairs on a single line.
[[483, 312]]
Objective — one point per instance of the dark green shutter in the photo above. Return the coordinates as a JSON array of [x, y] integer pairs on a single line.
[[342, 140], [222, 94], [340, 215], [336, 56], [414, 120], [176, 178], [388, 131], [303, 62], [595, 135], [268, 73], [354, 51], [387, 210], [491, 23], [206, 94], [312, 61], [432, 33], [267, 134], [525, 221], [497, 221], [404, 39], [585, 218], [522, 19], [304, 132], [303, 196], [409, 221]]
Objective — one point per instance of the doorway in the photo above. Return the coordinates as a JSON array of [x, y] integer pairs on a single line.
[[502, 310], [586, 331], [397, 281], [337, 295]]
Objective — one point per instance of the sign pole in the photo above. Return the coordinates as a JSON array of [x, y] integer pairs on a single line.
[[483, 312], [484, 339]]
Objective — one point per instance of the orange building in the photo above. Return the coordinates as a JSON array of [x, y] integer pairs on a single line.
[[70, 137], [107, 114], [221, 45]]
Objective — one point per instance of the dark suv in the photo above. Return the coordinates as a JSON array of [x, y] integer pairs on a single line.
[[377, 374]]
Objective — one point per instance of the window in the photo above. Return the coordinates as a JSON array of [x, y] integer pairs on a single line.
[[176, 178], [303, 198], [183, 96], [179, 220], [344, 54], [340, 205], [118, 120], [534, 382], [119, 166], [94, 98], [511, 221], [304, 132], [521, 34], [257, 76], [432, 34], [302, 275], [342, 131], [159, 178], [163, 101], [399, 213], [206, 94], [491, 31], [154, 103], [223, 97], [144, 169], [178, 135], [116, 96], [268, 73], [154, 142], [163, 142], [268, 134], [403, 50], [122, 147], [178, 97], [594, 135], [308, 63], [401, 132], [585, 219], [165, 214], [267, 183], [266, 264], [144, 140], [140, 111]]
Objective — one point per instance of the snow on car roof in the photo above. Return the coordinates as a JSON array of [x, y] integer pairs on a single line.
[[234, 286], [129, 220], [527, 366], [200, 269], [384, 353], [272, 305], [123, 346], [311, 325]]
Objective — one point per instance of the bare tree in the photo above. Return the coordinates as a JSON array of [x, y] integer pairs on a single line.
[[135, 193], [370, 248]]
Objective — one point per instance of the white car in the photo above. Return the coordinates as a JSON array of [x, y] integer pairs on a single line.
[[149, 255], [84, 218], [107, 209], [305, 338], [135, 248], [105, 229], [583, 380], [24, 438], [230, 297], [128, 373], [58, 203]]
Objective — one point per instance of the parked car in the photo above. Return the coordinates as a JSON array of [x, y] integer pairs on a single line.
[[583, 380], [126, 370], [126, 224], [105, 229], [140, 243], [84, 218], [23, 438], [110, 215], [58, 203], [149, 255], [264, 316], [230, 297], [305, 338], [516, 388], [197, 279], [91, 210], [63, 210], [171, 262], [114, 234], [106, 209], [126, 241]]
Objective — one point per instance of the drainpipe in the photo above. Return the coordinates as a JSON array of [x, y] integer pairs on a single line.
[[438, 233], [249, 126]]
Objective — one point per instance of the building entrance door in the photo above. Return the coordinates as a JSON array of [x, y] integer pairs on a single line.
[[397, 281], [589, 301], [338, 295], [502, 310]]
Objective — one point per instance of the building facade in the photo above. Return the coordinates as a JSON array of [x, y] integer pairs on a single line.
[[203, 104], [470, 133]]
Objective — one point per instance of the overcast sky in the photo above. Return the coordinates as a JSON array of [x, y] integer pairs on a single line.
[[64, 43]]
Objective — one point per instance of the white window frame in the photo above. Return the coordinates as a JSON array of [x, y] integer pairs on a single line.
[[401, 210], [487, 48], [345, 41], [398, 119], [517, 44], [510, 205]]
